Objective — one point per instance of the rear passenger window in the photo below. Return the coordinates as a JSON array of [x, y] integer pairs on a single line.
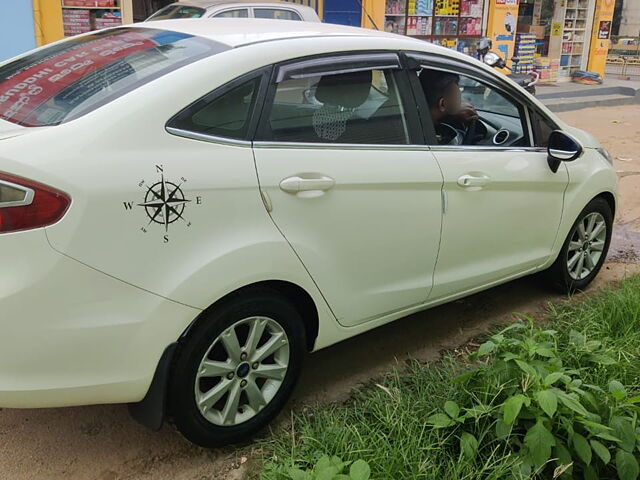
[[239, 13], [276, 13], [223, 114], [357, 107]]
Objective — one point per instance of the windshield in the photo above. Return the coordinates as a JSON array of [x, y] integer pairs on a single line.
[[177, 11], [64, 81]]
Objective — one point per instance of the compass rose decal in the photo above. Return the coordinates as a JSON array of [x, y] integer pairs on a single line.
[[164, 202]]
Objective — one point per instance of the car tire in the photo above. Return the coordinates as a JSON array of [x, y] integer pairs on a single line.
[[200, 372], [563, 275]]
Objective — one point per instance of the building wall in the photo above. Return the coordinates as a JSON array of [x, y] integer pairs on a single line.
[[630, 21], [48, 21], [17, 33], [373, 14]]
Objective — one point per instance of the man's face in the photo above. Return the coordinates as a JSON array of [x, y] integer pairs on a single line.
[[451, 101]]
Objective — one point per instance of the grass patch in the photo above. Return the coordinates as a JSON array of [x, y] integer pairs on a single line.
[[557, 401]]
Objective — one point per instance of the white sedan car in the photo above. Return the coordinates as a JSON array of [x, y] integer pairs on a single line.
[[238, 9], [184, 213]]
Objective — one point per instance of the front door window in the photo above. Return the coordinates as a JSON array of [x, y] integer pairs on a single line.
[[466, 111]]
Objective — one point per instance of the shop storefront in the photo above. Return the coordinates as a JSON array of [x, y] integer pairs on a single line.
[[557, 38], [554, 37], [81, 16], [57, 19], [456, 24]]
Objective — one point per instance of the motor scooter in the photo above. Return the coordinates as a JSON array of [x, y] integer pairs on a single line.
[[526, 80]]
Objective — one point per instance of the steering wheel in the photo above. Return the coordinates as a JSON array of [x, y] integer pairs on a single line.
[[470, 133], [448, 135]]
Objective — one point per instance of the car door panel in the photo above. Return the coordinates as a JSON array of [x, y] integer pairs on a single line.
[[503, 202], [363, 218], [370, 242], [502, 228]]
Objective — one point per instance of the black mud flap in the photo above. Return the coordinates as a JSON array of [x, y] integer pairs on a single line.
[[151, 410]]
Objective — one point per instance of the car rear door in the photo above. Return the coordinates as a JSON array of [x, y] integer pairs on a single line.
[[347, 182], [503, 201]]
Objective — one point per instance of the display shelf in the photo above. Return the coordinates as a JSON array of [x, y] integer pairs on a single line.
[[65, 7], [78, 19], [435, 19]]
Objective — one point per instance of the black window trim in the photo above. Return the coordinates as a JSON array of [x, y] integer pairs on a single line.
[[535, 132], [336, 63], [263, 73], [415, 60]]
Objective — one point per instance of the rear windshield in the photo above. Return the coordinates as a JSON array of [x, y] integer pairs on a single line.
[[64, 81], [177, 11]]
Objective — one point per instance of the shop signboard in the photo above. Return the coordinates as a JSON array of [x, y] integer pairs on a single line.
[[601, 36], [502, 26]]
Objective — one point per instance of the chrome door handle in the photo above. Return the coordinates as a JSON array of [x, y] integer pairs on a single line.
[[297, 184], [473, 181]]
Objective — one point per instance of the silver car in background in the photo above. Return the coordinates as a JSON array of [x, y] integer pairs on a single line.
[[216, 8]]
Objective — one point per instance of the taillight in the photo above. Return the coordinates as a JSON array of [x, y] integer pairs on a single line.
[[25, 204]]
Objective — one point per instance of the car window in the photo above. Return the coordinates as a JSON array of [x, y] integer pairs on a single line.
[[63, 81], [276, 13], [238, 13], [542, 128], [225, 114], [177, 11], [485, 98], [362, 107], [467, 111]]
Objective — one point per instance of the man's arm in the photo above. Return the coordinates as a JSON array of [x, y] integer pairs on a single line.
[[466, 113]]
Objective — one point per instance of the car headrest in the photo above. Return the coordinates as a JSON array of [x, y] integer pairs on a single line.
[[348, 90]]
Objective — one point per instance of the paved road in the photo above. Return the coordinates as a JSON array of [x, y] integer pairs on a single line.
[[101, 442]]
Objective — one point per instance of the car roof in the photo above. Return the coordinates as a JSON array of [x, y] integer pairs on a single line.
[[236, 32]]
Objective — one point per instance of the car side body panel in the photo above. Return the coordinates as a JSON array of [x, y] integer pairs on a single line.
[[590, 175]]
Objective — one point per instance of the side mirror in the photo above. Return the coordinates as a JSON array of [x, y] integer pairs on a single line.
[[492, 59], [562, 147]]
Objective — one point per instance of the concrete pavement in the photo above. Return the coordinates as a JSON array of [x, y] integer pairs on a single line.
[[563, 97]]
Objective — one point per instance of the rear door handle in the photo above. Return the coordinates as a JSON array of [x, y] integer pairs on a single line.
[[473, 181], [297, 183]]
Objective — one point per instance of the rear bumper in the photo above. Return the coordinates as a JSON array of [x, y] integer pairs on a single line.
[[72, 335]]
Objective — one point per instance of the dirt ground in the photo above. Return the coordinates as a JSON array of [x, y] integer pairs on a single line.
[[103, 443]]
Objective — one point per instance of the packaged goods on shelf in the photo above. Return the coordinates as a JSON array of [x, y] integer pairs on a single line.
[[76, 21], [395, 7]]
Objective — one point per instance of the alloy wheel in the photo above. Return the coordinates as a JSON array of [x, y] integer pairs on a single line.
[[586, 245], [242, 371]]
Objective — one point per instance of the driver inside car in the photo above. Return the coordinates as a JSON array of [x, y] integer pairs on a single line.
[[451, 117]]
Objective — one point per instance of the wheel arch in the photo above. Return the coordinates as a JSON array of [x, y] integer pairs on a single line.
[[298, 296], [609, 197], [568, 221]]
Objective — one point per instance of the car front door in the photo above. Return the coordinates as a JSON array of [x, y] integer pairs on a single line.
[[503, 204], [347, 183]]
